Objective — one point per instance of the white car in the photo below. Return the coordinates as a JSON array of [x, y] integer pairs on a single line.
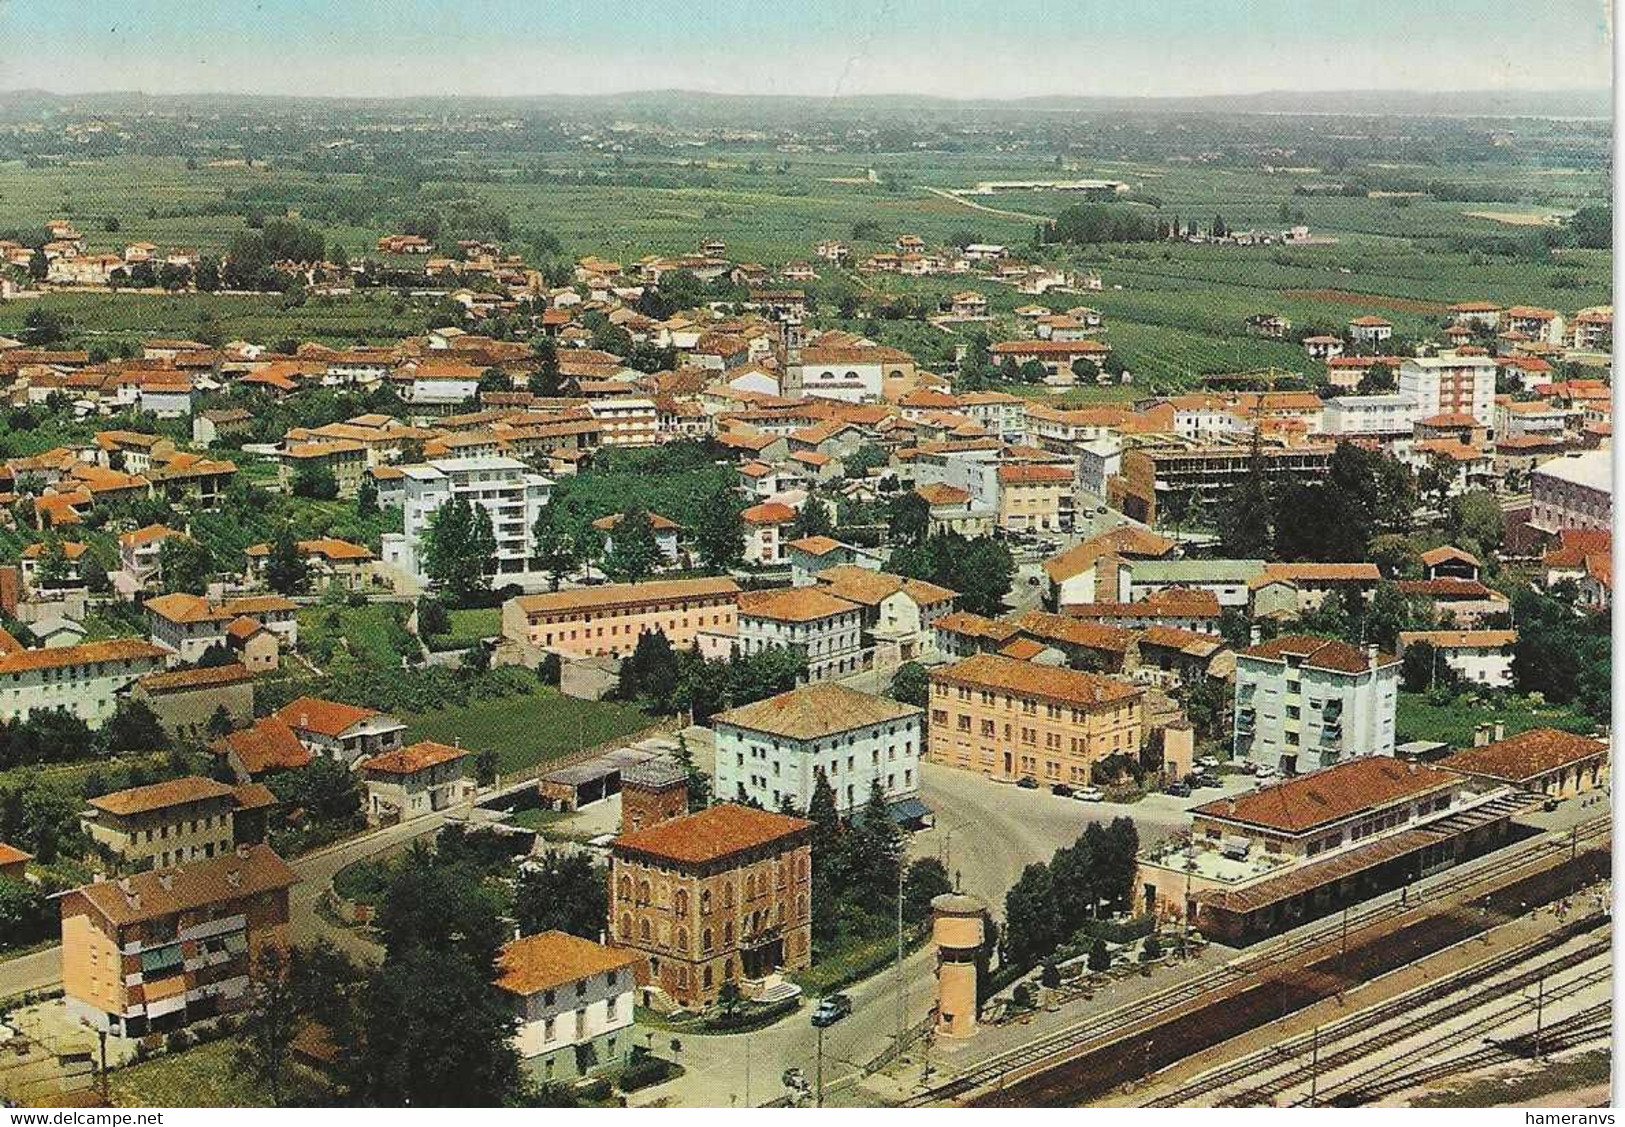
[[1089, 794], [1264, 770], [1208, 762]]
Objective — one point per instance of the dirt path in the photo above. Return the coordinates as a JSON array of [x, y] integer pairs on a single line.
[[957, 198]]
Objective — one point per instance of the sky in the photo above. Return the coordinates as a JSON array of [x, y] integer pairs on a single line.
[[824, 48]]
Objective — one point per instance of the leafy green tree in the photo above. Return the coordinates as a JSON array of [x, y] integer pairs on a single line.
[[185, 564], [493, 380], [562, 892], [1475, 521], [699, 783], [366, 498], [315, 481], [270, 1023], [556, 551], [547, 381], [285, 569], [1032, 925], [1100, 957], [720, 534], [324, 788], [908, 518], [634, 552], [925, 879], [134, 727], [1244, 517], [830, 861], [458, 545], [219, 723], [911, 684], [812, 519], [651, 672]]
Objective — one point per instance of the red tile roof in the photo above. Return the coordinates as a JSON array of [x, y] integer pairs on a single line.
[[1525, 757], [1330, 795], [713, 834]]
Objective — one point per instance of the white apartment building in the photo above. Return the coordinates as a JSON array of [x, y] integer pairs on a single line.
[[827, 630], [84, 680], [1451, 385], [1304, 703], [1480, 657], [1395, 413], [771, 750], [573, 999], [1574, 491], [626, 422], [855, 375], [509, 491]]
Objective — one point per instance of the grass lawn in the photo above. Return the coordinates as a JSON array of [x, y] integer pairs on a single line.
[[467, 627], [531, 729], [204, 1076], [373, 632], [852, 961], [1453, 723]]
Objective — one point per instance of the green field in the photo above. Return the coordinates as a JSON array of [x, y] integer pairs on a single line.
[[205, 1076], [527, 730], [1418, 718], [372, 633]]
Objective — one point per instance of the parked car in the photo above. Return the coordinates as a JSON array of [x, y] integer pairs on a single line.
[[1208, 762], [1089, 794], [1027, 782], [1201, 782], [1179, 790], [1264, 770], [831, 1009], [1061, 789]]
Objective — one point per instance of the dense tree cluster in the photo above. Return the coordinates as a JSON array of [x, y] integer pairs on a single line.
[[1049, 903]]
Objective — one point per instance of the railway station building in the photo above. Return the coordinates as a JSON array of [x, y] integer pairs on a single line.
[[1261, 863]]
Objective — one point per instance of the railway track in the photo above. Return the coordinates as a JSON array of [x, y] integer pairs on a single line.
[[1593, 1024], [1057, 1048], [1306, 1053]]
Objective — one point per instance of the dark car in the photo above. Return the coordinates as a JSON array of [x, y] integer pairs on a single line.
[[1027, 782], [1061, 789], [831, 1009], [1179, 790]]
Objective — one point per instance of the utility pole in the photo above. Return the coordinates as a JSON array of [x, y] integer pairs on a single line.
[[1314, 1066], [902, 1004], [1540, 1009], [819, 1068], [748, 1041]]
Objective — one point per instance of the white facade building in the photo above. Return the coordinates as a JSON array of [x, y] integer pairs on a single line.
[[1304, 703], [83, 680], [826, 630], [512, 495], [573, 999], [1574, 491], [1371, 414], [1479, 657], [772, 750], [1451, 385]]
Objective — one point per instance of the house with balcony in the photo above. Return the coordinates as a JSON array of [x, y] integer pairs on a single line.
[[1303, 703]]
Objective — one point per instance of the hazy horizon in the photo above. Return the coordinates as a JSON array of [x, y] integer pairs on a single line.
[[803, 48]]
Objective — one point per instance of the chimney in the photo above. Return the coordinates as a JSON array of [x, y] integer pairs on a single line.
[[1500, 731], [243, 850], [166, 880], [125, 886], [234, 877], [1481, 735], [304, 720], [1371, 652]]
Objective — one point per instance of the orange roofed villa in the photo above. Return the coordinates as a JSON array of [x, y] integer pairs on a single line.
[[723, 895], [1264, 862]]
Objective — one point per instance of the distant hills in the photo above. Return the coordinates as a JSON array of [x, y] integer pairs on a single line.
[[1581, 103]]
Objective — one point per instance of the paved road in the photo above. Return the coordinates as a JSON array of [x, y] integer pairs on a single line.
[[43, 969], [986, 833]]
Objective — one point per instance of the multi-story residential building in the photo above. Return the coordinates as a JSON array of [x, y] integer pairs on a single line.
[[1228, 581], [1010, 719], [1394, 413], [345, 460], [158, 950], [1451, 384], [1208, 473], [573, 999], [511, 495], [83, 680], [1479, 657], [186, 625], [771, 751], [1370, 330], [186, 701], [766, 526], [419, 779], [1574, 491], [899, 612], [343, 732], [826, 630], [1087, 572], [812, 554], [606, 621], [1304, 703], [1035, 498], [140, 551], [1001, 414], [1260, 863], [626, 421], [1592, 329], [170, 823], [723, 895], [1544, 325]]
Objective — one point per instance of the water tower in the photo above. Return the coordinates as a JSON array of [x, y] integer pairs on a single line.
[[959, 930]]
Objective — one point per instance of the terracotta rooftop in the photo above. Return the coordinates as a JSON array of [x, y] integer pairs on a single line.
[[815, 711], [816, 545], [1319, 653], [326, 717], [627, 594], [771, 512], [1445, 553], [417, 757], [976, 626], [268, 745], [1073, 631], [1331, 795], [1522, 758], [158, 796], [1313, 572], [11, 855], [1459, 639], [1022, 649], [550, 959], [1021, 678], [184, 608], [165, 892], [90, 653], [793, 604], [1125, 540], [712, 834], [871, 588], [203, 677], [941, 493]]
